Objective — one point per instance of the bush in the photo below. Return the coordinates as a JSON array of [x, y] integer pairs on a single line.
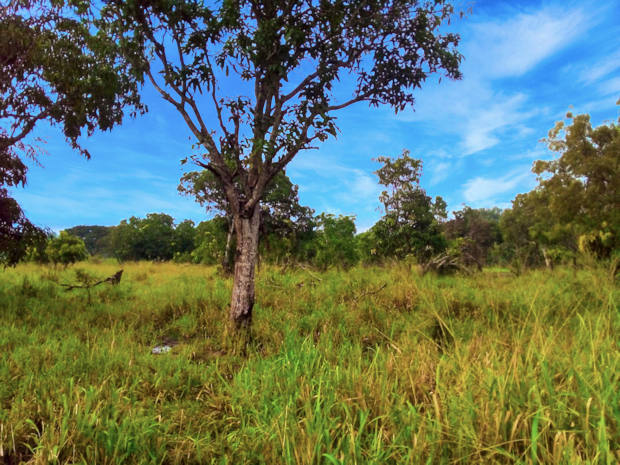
[[66, 249]]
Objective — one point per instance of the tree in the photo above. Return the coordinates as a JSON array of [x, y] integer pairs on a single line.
[[410, 225], [281, 215], [211, 244], [335, 241], [17, 233], [474, 232], [96, 238], [150, 238], [286, 57], [66, 249], [575, 205], [184, 240], [582, 186]]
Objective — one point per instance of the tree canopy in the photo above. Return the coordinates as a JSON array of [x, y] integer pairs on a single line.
[[575, 205], [52, 69]]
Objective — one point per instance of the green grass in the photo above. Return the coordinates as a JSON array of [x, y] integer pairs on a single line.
[[368, 366]]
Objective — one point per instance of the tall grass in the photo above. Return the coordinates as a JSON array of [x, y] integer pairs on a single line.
[[369, 366]]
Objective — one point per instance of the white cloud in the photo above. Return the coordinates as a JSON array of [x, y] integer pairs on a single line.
[[483, 192], [440, 172], [593, 72], [514, 46], [483, 127], [610, 87], [317, 174], [481, 115]]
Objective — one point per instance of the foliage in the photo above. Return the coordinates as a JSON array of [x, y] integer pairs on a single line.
[[410, 225], [375, 365], [335, 243], [211, 241], [66, 249], [575, 205], [473, 233], [96, 238], [184, 241], [581, 188], [52, 69], [17, 233], [153, 238]]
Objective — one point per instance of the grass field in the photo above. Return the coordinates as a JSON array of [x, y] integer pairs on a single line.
[[367, 366]]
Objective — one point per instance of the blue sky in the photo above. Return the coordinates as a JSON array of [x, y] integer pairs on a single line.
[[525, 64]]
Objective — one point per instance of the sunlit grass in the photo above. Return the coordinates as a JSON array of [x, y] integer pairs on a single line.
[[372, 365]]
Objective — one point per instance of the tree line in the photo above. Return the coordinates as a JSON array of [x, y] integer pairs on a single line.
[[573, 210]]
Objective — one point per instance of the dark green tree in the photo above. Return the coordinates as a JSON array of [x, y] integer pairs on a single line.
[[283, 58], [184, 240], [335, 242], [474, 233], [96, 238], [150, 238]]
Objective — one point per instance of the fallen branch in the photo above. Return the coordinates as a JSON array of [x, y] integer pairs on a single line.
[[369, 292], [114, 280]]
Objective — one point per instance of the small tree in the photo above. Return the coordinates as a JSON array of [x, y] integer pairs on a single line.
[[286, 57], [66, 249], [410, 225]]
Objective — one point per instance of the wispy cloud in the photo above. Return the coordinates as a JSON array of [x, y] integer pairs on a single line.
[[515, 45], [610, 87], [591, 72], [484, 191], [440, 171], [480, 109]]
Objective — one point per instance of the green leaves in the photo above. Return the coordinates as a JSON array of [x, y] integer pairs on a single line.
[[574, 207], [410, 225], [66, 249]]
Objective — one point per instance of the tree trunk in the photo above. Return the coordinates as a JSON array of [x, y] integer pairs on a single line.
[[242, 300], [227, 265], [548, 260]]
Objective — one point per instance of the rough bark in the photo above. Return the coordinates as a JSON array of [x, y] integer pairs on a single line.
[[242, 302]]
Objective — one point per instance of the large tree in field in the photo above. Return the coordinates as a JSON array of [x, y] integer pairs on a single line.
[[53, 70], [255, 81]]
